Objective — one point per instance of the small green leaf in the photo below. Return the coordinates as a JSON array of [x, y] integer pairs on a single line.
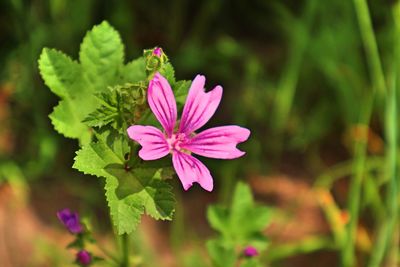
[[181, 90], [243, 222], [168, 72]]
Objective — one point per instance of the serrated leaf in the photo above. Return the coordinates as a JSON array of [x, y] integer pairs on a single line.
[[168, 72], [60, 73], [101, 117], [101, 58], [64, 77], [102, 55], [107, 113], [155, 195], [129, 192]]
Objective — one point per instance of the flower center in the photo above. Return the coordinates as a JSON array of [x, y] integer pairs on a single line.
[[175, 142]]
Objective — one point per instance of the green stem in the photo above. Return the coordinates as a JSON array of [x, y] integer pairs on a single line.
[[370, 45], [360, 155], [378, 83], [287, 85], [125, 251], [387, 232]]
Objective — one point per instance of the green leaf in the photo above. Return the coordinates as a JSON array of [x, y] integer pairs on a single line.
[[156, 195], [168, 72], [60, 72], [221, 255], [107, 113], [134, 71], [218, 217], [245, 214], [102, 55], [64, 77], [66, 120], [181, 90], [243, 222], [129, 192]]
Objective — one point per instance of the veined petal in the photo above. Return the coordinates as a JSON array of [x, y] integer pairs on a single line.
[[219, 142], [191, 170], [152, 140], [199, 106], [162, 102]]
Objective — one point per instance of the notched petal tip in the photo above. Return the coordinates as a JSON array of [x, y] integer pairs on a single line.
[[219, 142], [207, 186], [190, 170], [242, 134], [186, 187], [200, 79]]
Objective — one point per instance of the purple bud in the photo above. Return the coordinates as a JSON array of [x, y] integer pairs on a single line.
[[157, 51], [83, 257], [250, 251], [70, 220]]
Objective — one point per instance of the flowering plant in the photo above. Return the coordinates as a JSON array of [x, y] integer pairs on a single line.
[[111, 108]]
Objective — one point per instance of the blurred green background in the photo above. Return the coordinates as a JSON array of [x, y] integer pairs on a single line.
[[315, 81]]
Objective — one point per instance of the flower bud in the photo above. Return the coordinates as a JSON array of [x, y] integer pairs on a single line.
[[83, 257], [250, 251], [70, 220], [157, 51], [155, 58]]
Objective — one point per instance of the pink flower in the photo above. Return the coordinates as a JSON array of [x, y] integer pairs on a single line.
[[157, 51], [181, 141], [83, 257], [250, 251]]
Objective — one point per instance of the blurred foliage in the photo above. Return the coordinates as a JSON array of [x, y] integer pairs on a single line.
[[302, 75], [239, 226]]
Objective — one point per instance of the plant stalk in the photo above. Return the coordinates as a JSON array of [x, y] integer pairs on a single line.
[[360, 155], [125, 251], [370, 46]]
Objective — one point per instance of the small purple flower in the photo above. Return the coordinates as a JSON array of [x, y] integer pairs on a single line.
[[157, 51], [70, 220], [83, 257], [250, 251]]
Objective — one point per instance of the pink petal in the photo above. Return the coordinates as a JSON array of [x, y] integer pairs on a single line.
[[152, 140], [162, 102], [219, 142], [190, 170], [199, 106]]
